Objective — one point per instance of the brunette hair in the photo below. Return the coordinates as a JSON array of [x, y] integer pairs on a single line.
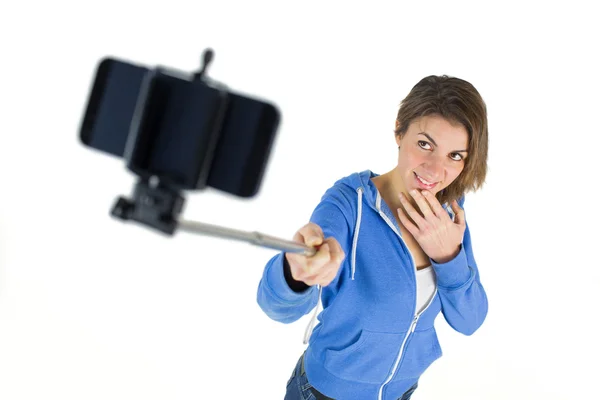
[[457, 101]]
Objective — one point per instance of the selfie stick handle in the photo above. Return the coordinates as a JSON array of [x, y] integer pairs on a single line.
[[255, 238]]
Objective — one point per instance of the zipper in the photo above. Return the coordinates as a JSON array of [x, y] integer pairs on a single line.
[[389, 378], [411, 330], [413, 324]]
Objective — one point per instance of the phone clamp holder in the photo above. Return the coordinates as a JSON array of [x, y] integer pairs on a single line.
[[153, 205]]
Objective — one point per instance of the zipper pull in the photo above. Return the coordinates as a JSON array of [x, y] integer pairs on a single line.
[[414, 325]]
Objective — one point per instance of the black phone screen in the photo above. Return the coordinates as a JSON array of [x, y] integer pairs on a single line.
[[177, 136], [172, 143], [111, 105]]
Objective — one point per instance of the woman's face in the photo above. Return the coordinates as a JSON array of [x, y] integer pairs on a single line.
[[432, 154]]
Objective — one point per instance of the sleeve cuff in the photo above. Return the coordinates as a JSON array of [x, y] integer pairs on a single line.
[[454, 273], [279, 286]]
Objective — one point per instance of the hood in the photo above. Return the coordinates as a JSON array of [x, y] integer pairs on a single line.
[[362, 181]]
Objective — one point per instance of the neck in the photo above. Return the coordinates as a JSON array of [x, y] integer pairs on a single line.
[[390, 185]]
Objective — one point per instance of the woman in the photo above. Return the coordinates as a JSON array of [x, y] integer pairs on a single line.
[[393, 251]]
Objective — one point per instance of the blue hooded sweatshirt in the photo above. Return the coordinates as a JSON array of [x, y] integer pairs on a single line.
[[369, 342]]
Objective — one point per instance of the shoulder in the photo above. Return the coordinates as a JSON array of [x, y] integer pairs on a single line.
[[350, 184], [343, 195], [345, 192]]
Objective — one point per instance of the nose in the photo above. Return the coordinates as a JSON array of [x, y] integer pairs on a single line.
[[434, 168]]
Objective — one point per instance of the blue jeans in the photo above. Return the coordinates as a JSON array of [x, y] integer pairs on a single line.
[[298, 387]]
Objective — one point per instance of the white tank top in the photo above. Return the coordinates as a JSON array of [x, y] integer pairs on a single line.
[[425, 287]]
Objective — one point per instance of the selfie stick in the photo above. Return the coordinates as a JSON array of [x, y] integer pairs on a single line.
[[158, 207]]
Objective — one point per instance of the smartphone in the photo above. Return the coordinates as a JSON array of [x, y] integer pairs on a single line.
[[162, 122]]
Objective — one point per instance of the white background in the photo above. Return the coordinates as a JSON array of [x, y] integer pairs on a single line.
[[92, 308]]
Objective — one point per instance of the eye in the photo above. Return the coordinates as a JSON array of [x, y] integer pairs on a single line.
[[423, 143], [456, 156]]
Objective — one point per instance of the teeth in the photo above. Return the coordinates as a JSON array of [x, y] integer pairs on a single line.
[[423, 180]]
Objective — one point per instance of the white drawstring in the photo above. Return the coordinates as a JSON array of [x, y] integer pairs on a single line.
[[311, 324], [451, 211], [356, 229]]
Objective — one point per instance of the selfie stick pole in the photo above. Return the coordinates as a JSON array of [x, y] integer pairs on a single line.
[[255, 238]]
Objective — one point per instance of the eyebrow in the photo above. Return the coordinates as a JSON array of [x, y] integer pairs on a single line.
[[435, 144]]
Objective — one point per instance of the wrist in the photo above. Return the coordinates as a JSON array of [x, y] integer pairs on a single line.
[[443, 259], [296, 286]]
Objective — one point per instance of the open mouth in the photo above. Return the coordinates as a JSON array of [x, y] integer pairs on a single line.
[[424, 184]]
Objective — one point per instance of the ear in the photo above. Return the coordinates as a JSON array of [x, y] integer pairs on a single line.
[[398, 140], [397, 136]]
